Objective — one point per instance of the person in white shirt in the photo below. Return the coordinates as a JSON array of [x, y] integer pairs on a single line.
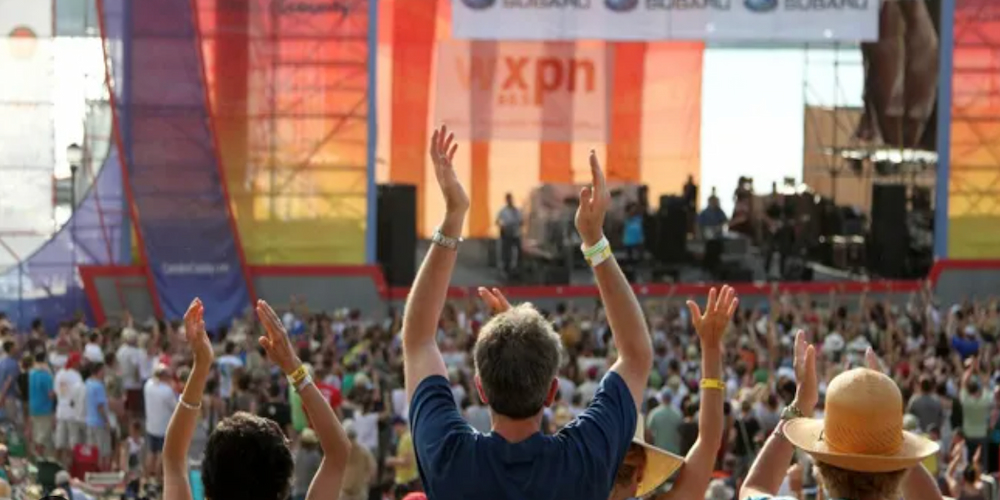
[[567, 388], [59, 355], [589, 387], [228, 365], [148, 362], [70, 410], [92, 352], [366, 425], [161, 400], [130, 359]]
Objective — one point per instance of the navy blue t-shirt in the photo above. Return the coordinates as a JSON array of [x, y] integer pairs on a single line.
[[580, 462]]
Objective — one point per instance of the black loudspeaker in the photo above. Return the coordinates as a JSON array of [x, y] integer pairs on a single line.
[[397, 233], [889, 241], [671, 230]]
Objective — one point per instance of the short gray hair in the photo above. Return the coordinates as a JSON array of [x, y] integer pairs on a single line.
[[517, 356]]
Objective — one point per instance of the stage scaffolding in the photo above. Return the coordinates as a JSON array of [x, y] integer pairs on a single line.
[[290, 96], [837, 162]]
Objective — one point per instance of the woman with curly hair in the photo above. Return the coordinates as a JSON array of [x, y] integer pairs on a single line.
[[248, 457]]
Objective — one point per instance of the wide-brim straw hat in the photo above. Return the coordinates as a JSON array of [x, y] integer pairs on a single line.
[[660, 463], [862, 429]]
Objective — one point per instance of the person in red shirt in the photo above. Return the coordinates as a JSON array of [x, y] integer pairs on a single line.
[[329, 392]]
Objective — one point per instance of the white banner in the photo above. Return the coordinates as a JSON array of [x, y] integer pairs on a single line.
[[522, 91], [710, 20]]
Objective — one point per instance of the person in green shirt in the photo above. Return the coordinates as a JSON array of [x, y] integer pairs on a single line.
[[976, 405], [663, 422]]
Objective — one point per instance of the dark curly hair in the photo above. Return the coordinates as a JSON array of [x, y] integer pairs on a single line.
[[247, 458]]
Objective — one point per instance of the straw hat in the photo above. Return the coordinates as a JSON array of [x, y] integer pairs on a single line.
[[863, 427], [660, 464]]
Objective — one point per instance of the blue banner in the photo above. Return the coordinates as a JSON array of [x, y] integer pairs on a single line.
[[184, 219]]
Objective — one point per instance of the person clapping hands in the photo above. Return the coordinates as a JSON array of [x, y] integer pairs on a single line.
[[248, 456]]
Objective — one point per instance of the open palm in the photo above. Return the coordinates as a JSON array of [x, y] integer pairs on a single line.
[[442, 151], [196, 335], [719, 309]]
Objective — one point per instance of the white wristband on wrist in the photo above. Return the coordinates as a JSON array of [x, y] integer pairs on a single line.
[[302, 385], [597, 254]]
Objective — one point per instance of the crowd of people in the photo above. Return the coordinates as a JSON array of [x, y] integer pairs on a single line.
[[482, 399]]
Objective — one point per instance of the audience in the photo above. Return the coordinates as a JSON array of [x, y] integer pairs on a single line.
[[612, 401]]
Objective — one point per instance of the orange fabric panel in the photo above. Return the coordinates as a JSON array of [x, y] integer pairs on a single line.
[[671, 108], [479, 192], [479, 189], [625, 114], [412, 56], [231, 55], [555, 162]]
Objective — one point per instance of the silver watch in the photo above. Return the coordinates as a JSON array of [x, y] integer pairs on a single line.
[[446, 241], [791, 412]]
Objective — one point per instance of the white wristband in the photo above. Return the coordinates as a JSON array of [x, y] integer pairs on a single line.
[[187, 405], [597, 254], [302, 385]]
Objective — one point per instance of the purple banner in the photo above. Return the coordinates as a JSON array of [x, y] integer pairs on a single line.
[[171, 161]]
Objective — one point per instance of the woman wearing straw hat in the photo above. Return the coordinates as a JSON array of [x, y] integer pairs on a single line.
[[860, 448], [647, 467]]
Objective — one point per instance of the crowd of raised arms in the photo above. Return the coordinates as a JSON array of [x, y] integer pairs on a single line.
[[487, 400]]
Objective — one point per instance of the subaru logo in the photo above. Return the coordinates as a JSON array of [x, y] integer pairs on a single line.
[[760, 5], [621, 5], [478, 4]]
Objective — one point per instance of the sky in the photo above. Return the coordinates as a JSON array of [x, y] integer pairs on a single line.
[[752, 110]]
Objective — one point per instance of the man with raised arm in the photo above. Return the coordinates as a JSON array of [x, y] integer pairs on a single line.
[[517, 358]]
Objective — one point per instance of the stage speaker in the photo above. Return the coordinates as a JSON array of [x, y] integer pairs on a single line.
[[889, 241], [670, 244], [397, 233]]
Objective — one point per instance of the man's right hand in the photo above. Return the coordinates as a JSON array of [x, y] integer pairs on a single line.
[[594, 201]]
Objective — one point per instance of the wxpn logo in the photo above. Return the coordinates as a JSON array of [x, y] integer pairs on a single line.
[[478, 4], [761, 6], [621, 5]]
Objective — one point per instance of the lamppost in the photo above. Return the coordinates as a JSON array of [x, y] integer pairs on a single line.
[[74, 156]]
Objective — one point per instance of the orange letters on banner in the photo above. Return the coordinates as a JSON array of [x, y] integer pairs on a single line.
[[531, 88]]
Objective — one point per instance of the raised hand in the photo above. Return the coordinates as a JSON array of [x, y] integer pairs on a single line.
[[494, 299], [807, 391], [195, 334], [275, 341], [442, 153], [719, 309], [594, 201]]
